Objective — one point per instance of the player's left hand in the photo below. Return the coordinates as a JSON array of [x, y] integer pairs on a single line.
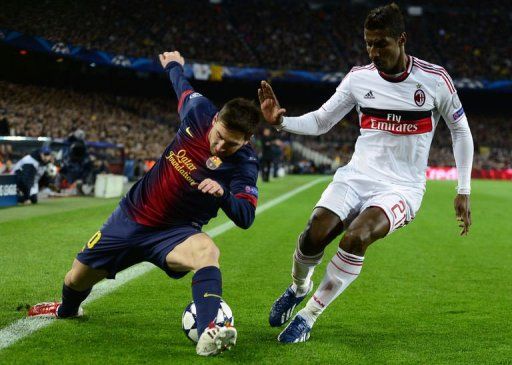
[[463, 212], [212, 187]]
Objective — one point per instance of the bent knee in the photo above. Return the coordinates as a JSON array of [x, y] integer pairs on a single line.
[[357, 240], [195, 253], [72, 279], [80, 278], [323, 226], [209, 254]]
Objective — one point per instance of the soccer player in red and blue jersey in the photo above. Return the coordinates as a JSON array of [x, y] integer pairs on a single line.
[[209, 165]]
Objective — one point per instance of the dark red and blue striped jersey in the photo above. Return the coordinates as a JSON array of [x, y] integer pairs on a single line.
[[167, 195]]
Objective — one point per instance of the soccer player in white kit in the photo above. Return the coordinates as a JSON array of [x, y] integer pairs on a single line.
[[399, 99]]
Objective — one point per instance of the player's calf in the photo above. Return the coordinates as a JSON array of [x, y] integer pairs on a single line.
[[199, 253], [71, 300], [323, 226], [372, 224]]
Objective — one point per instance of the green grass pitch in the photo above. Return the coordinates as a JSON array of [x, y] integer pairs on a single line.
[[425, 295]]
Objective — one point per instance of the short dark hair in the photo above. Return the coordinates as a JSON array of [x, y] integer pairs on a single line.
[[240, 115], [388, 17]]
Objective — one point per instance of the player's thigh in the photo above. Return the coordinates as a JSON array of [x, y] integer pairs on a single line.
[[372, 224], [336, 208], [398, 207], [195, 252], [115, 246], [343, 196], [82, 277]]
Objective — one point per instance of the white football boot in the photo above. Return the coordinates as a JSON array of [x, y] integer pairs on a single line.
[[215, 340]]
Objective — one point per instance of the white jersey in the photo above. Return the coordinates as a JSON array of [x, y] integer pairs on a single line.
[[397, 119], [40, 169]]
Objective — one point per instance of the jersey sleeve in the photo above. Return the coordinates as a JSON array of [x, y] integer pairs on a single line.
[[449, 106], [191, 104], [330, 113], [240, 200]]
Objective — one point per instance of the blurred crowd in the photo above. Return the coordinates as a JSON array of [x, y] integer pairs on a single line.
[[470, 39], [143, 126], [146, 126]]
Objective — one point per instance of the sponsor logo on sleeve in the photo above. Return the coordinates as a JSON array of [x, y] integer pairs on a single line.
[[195, 95], [459, 113], [253, 190]]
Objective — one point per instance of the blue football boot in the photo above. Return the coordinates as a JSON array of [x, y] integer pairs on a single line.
[[283, 307], [297, 331]]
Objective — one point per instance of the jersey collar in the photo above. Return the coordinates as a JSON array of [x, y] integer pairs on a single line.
[[400, 77]]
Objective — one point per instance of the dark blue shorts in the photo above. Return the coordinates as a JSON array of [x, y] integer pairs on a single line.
[[122, 242]]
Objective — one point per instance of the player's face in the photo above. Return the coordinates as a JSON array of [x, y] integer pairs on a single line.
[[223, 141], [384, 51], [46, 157]]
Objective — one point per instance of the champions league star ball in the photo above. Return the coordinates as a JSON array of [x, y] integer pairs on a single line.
[[188, 320]]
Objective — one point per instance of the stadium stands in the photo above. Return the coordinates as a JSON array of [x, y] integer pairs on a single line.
[[144, 126], [281, 35]]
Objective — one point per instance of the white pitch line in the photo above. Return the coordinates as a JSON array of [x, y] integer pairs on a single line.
[[26, 326]]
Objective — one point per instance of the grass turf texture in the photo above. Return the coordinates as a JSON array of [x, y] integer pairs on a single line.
[[425, 294]]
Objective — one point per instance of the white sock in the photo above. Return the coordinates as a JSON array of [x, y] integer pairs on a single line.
[[303, 269], [343, 269]]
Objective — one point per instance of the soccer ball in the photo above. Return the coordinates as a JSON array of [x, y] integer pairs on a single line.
[[188, 320]]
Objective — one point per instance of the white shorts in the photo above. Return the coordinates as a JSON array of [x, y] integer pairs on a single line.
[[351, 192]]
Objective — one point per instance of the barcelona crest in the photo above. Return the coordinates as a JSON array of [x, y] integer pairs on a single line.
[[213, 162]]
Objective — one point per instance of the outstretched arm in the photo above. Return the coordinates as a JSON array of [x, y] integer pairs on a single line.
[[314, 123], [173, 63], [191, 104]]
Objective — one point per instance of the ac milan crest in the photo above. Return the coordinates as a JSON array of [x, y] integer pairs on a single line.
[[213, 162], [419, 97]]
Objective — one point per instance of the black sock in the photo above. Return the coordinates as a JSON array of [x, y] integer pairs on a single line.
[[207, 292], [71, 300]]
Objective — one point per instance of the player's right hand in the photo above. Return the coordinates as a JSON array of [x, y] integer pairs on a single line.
[[272, 111], [167, 57], [463, 212], [212, 187]]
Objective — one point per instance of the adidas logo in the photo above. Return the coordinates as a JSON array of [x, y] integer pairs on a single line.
[[369, 95]]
